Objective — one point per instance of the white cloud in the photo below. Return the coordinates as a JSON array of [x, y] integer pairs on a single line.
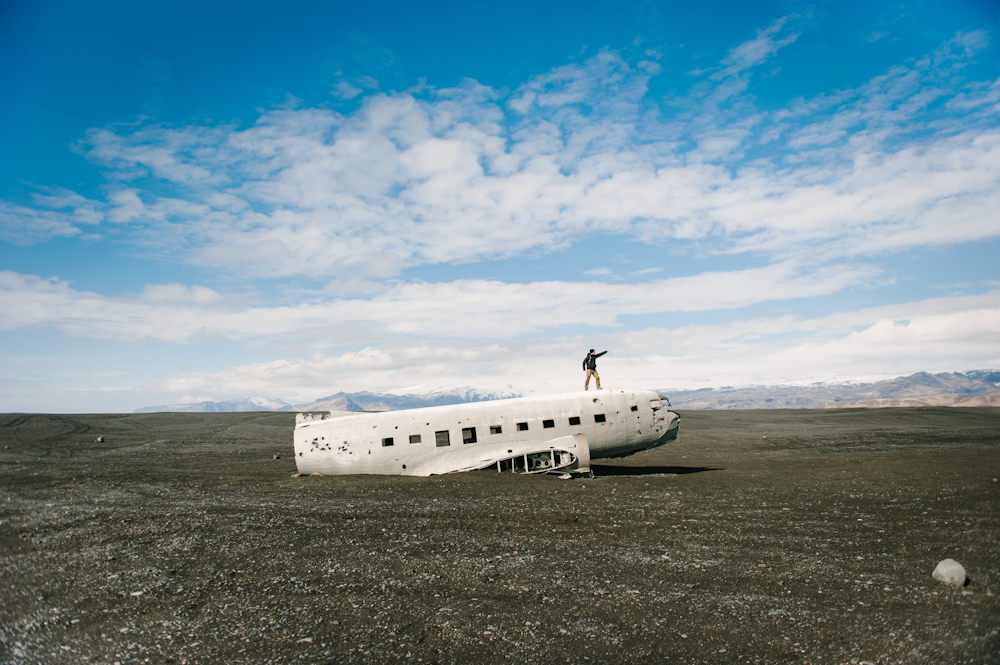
[[345, 90], [650, 67], [464, 308], [182, 295], [940, 334], [58, 213], [948, 334], [460, 175], [755, 51]]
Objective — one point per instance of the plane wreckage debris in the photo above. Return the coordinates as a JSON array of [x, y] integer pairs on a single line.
[[548, 434]]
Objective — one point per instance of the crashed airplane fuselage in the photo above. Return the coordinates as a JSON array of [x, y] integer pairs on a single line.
[[554, 433]]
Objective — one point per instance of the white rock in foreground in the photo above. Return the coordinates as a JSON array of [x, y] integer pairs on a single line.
[[951, 572]]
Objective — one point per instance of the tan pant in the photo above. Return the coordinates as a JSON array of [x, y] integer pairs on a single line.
[[586, 383]]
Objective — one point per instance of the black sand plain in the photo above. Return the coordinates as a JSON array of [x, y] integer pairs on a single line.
[[765, 536]]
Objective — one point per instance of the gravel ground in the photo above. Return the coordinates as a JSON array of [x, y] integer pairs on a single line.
[[765, 536]]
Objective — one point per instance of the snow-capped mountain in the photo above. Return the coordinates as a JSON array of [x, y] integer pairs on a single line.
[[360, 401], [230, 406], [369, 401]]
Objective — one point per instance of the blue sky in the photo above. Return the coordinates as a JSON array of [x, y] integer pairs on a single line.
[[245, 199]]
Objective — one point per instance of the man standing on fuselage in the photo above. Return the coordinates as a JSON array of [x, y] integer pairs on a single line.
[[590, 366]]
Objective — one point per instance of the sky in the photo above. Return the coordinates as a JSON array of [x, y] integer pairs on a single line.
[[208, 201]]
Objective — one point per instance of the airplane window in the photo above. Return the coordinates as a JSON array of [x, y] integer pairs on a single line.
[[441, 439], [575, 420], [635, 408], [469, 435], [548, 423], [522, 427], [496, 429], [599, 418], [414, 438], [656, 404], [387, 442]]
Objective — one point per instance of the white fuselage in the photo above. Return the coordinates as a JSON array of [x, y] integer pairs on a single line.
[[445, 439]]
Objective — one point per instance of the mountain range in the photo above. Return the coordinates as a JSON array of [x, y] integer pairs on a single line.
[[229, 406], [972, 388], [368, 401], [343, 402]]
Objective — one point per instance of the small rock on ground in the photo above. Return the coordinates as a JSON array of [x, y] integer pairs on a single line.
[[951, 572]]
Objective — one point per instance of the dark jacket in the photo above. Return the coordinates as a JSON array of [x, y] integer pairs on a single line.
[[590, 362]]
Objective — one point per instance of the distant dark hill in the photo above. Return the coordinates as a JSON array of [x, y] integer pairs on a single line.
[[339, 402], [923, 384]]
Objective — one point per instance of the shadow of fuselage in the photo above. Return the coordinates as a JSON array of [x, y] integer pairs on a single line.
[[608, 470]]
